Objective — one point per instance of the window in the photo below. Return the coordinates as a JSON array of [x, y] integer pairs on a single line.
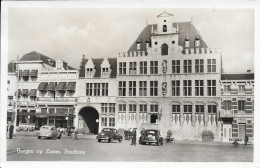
[[132, 88], [111, 122], [155, 43], [176, 88], [153, 67], [104, 107], [199, 109], [227, 105], [122, 88], [176, 66], [104, 89], [132, 68], [132, 108], [187, 66], [241, 88], [89, 89], [241, 105], [122, 108], [143, 110], [187, 109], [89, 71], [241, 130], [164, 49], [211, 65], [112, 107], [122, 68], [227, 88], [143, 67], [153, 88], [104, 71], [96, 89], [199, 65], [187, 87], [176, 109], [138, 46], [164, 28], [103, 121], [212, 109], [142, 88], [211, 87], [199, 90], [108, 107], [154, 108]]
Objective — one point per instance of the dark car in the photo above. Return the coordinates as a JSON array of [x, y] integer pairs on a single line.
[[109, 135], [151, 136]]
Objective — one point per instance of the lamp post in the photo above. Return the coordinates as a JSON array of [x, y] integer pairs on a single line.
[[16, 104]]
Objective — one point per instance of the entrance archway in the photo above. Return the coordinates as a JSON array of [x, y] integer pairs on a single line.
[[88, 120]]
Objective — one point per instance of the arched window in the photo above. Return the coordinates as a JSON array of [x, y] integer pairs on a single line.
[[164, 49], [164, 28]]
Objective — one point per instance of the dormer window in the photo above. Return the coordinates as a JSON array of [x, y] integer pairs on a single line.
[[197, 43], [105, 68], [164, 28], [138, 46], [50, 61], [104, 71], [187, 44]]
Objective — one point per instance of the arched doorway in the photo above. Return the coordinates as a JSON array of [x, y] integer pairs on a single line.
[[88, 120]]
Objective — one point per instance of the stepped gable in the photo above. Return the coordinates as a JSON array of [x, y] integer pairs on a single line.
[[185, 28], [97, 62]]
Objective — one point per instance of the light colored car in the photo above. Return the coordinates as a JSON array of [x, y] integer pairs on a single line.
[[49, 132]]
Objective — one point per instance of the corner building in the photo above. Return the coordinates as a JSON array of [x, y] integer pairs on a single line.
[[169, 79]]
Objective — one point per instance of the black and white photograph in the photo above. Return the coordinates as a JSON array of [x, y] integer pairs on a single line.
[[149, 85]]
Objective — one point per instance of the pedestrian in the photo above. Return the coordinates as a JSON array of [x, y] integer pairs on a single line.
[[129, 133], [11, 130], [142, 134], [134, 137], [68, 130], [246, 139], [76, 134]]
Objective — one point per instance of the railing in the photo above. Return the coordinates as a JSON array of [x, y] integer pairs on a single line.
[[226, 114], [57, 99]]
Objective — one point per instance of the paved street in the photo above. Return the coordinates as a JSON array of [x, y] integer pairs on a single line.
[[88, 149]]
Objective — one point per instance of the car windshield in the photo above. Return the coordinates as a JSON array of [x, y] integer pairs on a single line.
[[108, 130], [151, 132], [45, 128]]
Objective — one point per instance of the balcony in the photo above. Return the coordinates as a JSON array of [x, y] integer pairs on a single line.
[[57, 99], [226, 114]]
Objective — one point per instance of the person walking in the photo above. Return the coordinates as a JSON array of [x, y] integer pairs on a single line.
[[246, 140], [11, 130], [76, 134], [134, 137], [142, 134]]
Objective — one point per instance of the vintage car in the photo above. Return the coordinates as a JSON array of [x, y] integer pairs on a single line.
[[49, 132], [109, 135], [151, 136]]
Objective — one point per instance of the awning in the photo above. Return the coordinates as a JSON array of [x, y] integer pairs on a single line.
[[61, 86], [51, 86], [71, 86], [42, 86], [33, 92], [25, 91], [34, 73], [25, 73]]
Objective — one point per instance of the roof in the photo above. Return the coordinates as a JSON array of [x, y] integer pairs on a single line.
[[35, 56], [185, 28], [11, 67], [97, 63], [245, 76]]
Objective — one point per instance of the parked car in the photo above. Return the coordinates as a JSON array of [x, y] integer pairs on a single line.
[[109, 135], [151, 136], [49, 132]]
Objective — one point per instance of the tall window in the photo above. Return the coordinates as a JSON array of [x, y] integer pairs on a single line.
[[142, 88], [111, 121], [241, 105], [122, 88], [187, 66], [199, 65], [153, 88], [132, 88], [176, 66], [103, 121], [211, 65], [89, 89], [187, 109], [153, 67], [122, 68], [227, 88], [187, 87], [227, 105], [211, 87], [143, 110], [104, 89], [122, 108], [104, 107], [212, 109], [132, 68], [164, 28], [96, 89], [154, 108], [199, 90], [143, 67], [108, 107], [241, 88], [199, 109], [164, 49], [176, 88], [132, 109], [176, 108]]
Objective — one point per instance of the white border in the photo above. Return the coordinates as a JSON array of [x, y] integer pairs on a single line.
[[126, 4]]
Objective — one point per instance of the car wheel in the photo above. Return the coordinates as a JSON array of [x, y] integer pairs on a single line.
[[39, 137], [59, 136], [99, 140], [143, 143], [161, 143], [120, 140]]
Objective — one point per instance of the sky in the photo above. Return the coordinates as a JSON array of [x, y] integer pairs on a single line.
[[69, 33]]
